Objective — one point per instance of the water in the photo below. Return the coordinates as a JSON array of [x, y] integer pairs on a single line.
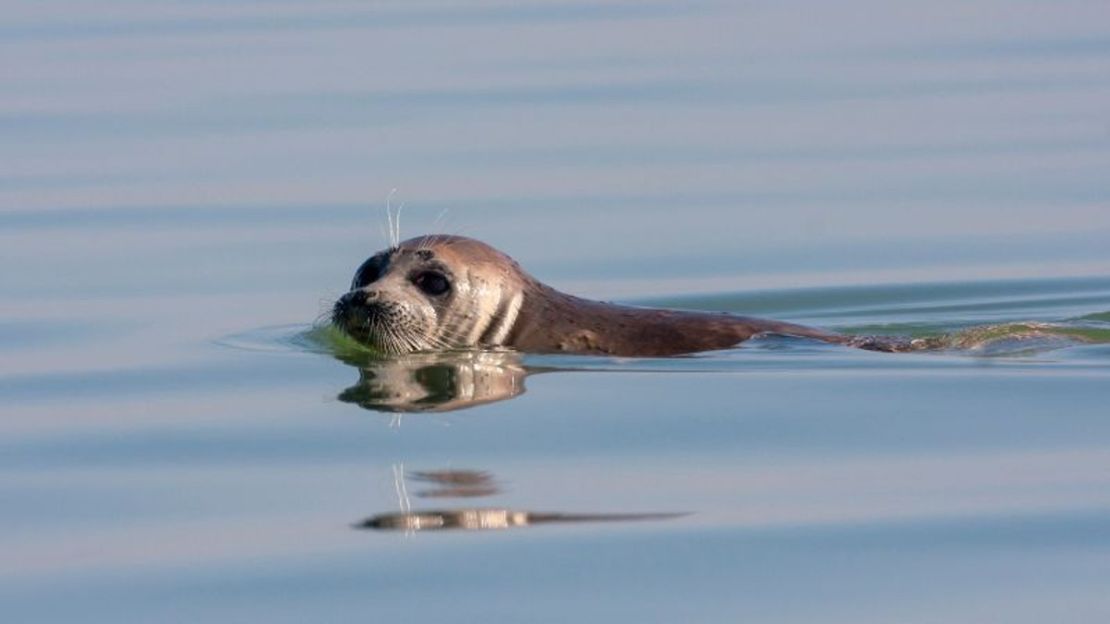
[[185, 187]]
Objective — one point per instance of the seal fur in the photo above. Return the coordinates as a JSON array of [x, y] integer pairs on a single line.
[[446, 292]]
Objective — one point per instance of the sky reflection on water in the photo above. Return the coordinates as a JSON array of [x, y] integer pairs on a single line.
[[187, 185]]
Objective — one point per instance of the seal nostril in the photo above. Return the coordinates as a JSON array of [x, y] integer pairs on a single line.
[[355, 298]]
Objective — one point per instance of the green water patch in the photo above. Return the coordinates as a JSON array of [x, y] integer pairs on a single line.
[[327, 338]]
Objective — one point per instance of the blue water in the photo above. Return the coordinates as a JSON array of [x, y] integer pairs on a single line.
[[186, 187]]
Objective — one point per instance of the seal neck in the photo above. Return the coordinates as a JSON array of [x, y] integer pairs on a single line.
[[551, 321]]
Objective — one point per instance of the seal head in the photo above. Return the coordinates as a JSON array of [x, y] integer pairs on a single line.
[[432, 293]]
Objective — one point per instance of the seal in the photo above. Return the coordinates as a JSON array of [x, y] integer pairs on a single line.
[[444, 292]]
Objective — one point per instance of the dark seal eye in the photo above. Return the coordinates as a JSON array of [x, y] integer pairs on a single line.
[[432, 283], [369, 272]]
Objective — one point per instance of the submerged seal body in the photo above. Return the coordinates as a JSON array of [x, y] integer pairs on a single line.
[[445, 292]]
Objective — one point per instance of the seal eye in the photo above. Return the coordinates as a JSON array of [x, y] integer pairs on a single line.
[[369, 272], [432, 283]]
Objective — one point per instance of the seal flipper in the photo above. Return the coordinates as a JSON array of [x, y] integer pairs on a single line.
[[885, 344]]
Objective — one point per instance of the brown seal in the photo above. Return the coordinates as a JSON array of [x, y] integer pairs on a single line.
[[443, 292]]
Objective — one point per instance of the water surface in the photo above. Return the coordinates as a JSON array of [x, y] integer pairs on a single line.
[[186, 187]]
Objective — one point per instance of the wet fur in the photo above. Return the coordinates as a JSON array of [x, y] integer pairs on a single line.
[[498, 304]]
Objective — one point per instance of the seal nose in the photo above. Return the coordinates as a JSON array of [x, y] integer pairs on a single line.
[[352, 300], [360, 297]]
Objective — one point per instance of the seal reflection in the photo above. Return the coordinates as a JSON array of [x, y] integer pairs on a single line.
[[435, 382], [469, 483]]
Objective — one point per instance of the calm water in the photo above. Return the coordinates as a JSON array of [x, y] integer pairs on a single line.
[[185, 188]]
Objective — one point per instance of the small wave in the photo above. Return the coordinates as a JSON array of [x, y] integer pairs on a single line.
[[277, 338], [1103, 317], [1002, 339], [1016, 339], [318, 338]]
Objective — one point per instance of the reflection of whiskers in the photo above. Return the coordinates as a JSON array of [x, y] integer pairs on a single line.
[[473, 483], [402, 492]]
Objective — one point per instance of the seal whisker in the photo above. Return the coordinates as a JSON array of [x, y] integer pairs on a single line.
[[438, 222], [397, 226], [393, 220]]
